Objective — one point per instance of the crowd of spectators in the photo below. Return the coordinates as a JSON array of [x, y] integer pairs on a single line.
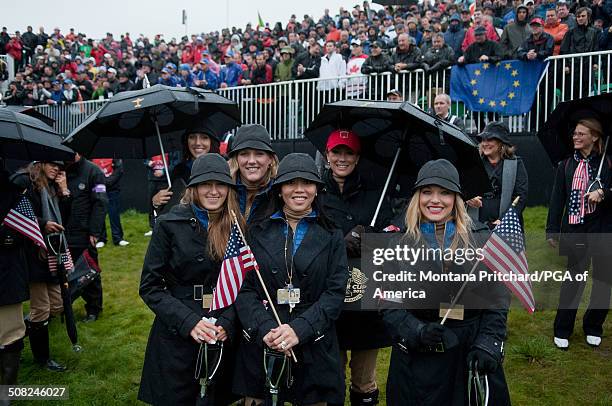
[[61, 68]]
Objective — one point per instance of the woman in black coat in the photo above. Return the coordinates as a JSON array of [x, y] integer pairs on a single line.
[[296, 248], [13, 285], [253, 164], [576, 217], [180, 270], [507, 177], [47, 189], [350, 204], [430, 362]]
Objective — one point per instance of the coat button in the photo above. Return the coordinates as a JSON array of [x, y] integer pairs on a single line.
[[349, 217], [274, 271], [200, 258]]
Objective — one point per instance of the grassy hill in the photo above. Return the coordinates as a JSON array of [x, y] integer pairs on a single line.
[[107, 371]]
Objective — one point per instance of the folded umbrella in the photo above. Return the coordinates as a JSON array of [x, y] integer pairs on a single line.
[[26, 138], [131, 124]]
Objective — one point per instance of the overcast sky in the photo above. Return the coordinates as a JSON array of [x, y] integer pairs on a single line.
[[150, 17]]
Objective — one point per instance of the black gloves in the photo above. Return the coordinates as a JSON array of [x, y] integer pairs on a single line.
[[352, 239], [481, 360], [431, 334]]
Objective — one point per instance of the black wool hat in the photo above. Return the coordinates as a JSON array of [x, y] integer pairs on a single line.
[[496, 130], [440, 173], [210, 167], [254, 136], [297, 165]]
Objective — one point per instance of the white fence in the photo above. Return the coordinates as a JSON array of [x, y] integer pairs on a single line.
[[286, 109]]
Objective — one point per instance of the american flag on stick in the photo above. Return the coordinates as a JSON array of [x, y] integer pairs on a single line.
[[504, 253], [238, 260], [22, 219], [66, 260]]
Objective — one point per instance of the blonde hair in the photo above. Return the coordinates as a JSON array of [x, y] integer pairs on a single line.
[[596, 130], [270, 174], [218, 230], [463, 222]]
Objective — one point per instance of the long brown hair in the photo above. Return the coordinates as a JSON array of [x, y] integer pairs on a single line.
[[39, 178], [463, 222], [218, 230]]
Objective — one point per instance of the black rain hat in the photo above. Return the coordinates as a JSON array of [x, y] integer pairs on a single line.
[[210, 167], [297, 165], [496, 130], [439, 172], [253, 136]]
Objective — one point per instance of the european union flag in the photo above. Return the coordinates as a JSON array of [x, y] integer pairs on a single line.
[[506, 87]]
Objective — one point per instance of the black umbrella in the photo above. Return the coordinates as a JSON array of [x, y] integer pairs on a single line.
[[130, 124], [32, 112], [400, 135], [556, 134], [58, 246], [25, 138]]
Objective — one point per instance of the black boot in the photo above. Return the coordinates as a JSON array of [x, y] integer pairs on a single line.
[[9, 365], [364, 399], [39, 342]]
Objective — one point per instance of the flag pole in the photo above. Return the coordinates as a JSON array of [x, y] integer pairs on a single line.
[[261, 281], [456, 298]]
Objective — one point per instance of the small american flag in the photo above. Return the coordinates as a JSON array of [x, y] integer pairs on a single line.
[[238, 260], [66, 260], [22, 219], [504, 253]]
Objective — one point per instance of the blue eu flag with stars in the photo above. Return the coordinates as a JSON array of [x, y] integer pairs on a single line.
[[506, 87]]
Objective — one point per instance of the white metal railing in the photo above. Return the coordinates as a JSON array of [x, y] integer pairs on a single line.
[[10, 65], [286, 109]]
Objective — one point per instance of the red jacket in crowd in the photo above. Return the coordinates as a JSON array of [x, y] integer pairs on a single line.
[[14, 47]]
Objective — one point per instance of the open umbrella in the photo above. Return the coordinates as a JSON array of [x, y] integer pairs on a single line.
[[400, 138], [131, 124], [25, 138], [32, 112], [556, 134]]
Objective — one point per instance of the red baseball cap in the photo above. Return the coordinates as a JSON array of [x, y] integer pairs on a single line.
[[344, 137], [536, 21]]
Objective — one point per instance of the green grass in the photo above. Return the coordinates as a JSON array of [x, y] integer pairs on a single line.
[[107, 372]]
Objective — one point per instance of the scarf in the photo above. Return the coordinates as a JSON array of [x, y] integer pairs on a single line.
[[579, 205], [432, 234], [50, 207], [294, 217]]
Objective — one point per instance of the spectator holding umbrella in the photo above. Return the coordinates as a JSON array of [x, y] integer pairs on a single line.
[[577, 211], [351, 204], [507, 175]]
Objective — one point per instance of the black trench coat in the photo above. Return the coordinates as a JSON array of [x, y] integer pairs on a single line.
[[440, 378], [320, 272], [176, 260], [13, 270], [356, 206]]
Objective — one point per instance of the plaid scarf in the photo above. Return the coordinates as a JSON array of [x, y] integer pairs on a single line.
[[579, 205]]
